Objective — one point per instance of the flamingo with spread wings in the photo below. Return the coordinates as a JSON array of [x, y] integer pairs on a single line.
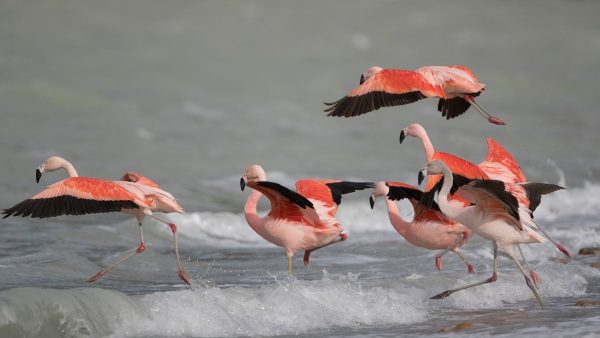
[[499, 164], [133, 194], [455, 86], [429, 229], [494, 212], [299, 220]]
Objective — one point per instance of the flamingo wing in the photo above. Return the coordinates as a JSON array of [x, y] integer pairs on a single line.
[[500, 164], [132, 176], [328, 192], [492, 196], [428, 197], [535, 192], [285, 203], [345, 187], [399, 191], [77, 196], [389, 87]]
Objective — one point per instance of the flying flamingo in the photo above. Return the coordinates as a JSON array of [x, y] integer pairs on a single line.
[[455, 86], [85, 195], [499, 165], [299, 220], [494, 213], [429, 229]]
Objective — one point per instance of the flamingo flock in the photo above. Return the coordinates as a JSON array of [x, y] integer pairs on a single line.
[[461, 199]]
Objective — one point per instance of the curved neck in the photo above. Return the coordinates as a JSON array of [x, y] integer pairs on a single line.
[[70, 169], [252, 217], [444, 192], [397, 222], [427, 145]]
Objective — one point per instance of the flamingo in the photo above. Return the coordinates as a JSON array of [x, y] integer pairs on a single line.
[[455, 86], [299, 220], [429, 229], [134, 194], [495, 213], [499, 165]]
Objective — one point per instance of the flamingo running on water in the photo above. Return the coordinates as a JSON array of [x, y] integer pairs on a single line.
[[455, 86], [299, 220], [494, 213], [134, 194], [499, 165], [429, 229]]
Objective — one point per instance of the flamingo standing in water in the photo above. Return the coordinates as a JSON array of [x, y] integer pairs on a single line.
[[455, 86], [134, 194], [299, 220], [429, 229], [494, 213], [499, 165]]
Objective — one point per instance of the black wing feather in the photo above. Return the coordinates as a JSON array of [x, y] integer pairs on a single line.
[[536, 190], [345, 187], [349, 106], [65, 205], [458, 181], [290, 195]]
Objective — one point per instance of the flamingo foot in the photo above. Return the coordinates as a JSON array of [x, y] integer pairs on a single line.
[[438, 262], [470, 268], [184, 277], [173, 227], [496, 121], [442, 295], [97, 276], [562, 249], [306, 257], [534, 276]]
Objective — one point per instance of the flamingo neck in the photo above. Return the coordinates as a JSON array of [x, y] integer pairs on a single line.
[[444, 192], [401, 226], [252, 217], [70, 169], [427, 145]]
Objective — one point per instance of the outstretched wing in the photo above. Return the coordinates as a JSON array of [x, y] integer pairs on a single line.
[[389, 87], [329, 192], [77, 196], [399, 191], [500, 165], [535, 192], [132, 176], [285, 203], [492, 196]]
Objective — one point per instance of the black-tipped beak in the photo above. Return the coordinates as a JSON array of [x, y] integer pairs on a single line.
[[402, 136], [242, 184], [38, 175], [371, 201], [362, 79], [421, 177]]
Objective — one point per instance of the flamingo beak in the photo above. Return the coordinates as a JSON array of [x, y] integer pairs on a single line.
[[362, 78], [402, 136], [421, 176], [371, 201], [38, 175], [242, 183]]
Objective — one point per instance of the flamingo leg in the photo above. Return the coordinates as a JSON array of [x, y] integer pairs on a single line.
[[483, 112], [453, 247], [460, 255], [180, 270], [534, 276], [492, 279], [289, 257], [139, 249], [527, 279]]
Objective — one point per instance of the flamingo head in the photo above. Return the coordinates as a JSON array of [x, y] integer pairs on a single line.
[[53, 163], [381, 189], [432, 168], [412, 130], [370, 72], [253, 173]]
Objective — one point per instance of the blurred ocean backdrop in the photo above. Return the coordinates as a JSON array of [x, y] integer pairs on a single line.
[[189, 93]]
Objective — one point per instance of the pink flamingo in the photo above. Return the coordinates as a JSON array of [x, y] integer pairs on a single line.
[[429, 229], [85, 195], [494, 213], [299, 220], [499, 165], [456, 87]]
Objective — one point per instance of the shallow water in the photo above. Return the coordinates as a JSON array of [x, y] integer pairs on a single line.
[[190, 93]]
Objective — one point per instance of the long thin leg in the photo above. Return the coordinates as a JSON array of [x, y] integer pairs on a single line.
[[454, 248], [460, 255], [173, 227], [534, 276], [307, 253], [483, 112], [139, 249], [559, 246], [492, 279], [527, 279], [289, 257]]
